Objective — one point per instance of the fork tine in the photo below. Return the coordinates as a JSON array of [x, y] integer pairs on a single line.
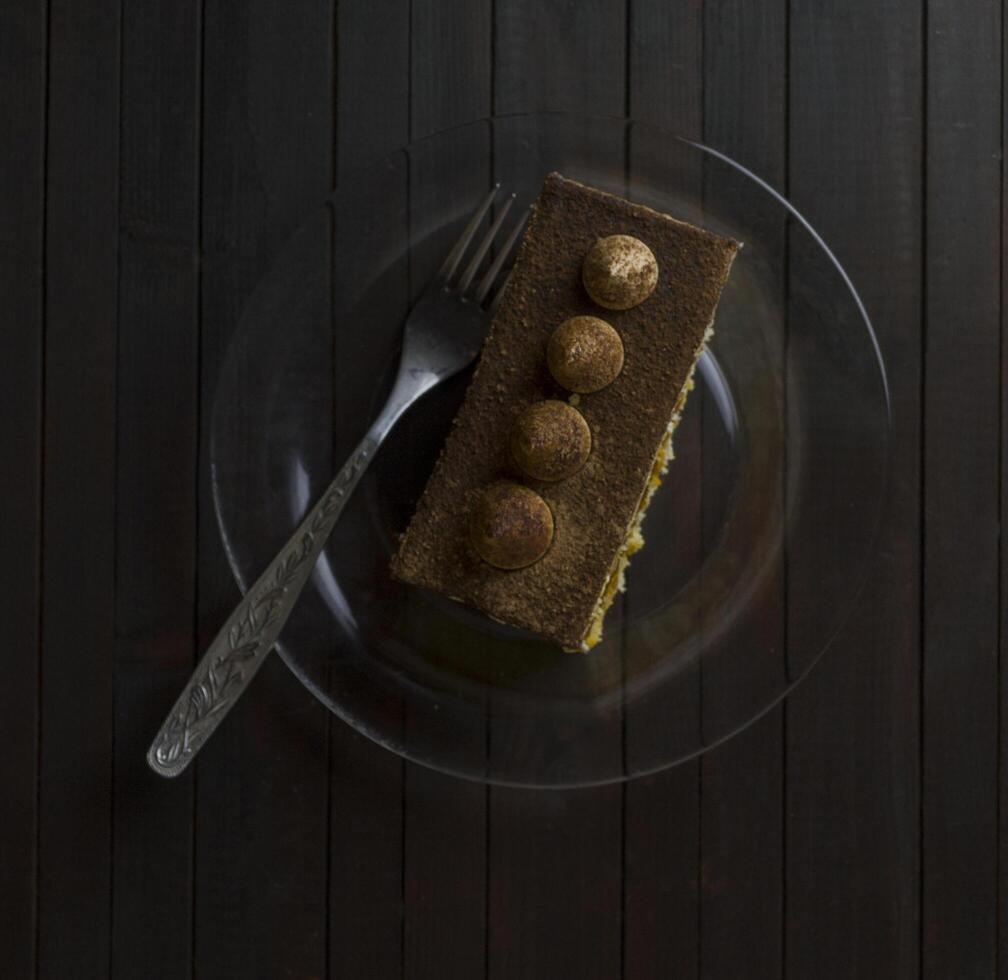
[[500, 259], [458, 249], [484, 246]]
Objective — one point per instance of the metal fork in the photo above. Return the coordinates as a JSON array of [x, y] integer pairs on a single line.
[[442, 335]]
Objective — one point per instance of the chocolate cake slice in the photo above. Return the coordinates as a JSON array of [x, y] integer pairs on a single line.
[[535, 504]]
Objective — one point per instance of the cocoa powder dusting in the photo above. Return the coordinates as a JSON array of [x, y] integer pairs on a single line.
[[591, 510]]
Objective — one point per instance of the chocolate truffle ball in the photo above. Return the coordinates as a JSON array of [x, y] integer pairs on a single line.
[[510, 526], [550, 440], [584, 354], [619, 271]]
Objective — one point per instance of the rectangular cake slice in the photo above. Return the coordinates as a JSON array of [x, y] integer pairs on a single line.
[[597, 510]]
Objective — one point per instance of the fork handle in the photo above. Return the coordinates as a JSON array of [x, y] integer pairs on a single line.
[[240, 647]]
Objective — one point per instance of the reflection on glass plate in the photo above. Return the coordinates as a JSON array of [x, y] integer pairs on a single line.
[[757, 543]]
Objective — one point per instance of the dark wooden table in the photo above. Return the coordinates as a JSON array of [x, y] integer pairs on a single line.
[[155, 155]]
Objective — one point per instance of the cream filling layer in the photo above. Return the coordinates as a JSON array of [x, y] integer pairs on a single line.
[[634, 540]]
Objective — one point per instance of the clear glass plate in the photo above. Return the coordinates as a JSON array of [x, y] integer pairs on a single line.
[[757, 544]]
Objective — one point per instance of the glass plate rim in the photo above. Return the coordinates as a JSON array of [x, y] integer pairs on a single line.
[[628, 123]]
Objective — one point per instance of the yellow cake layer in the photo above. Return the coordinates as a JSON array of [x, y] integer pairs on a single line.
[[634, 541]]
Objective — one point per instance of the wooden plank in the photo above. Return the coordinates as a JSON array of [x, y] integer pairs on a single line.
[[745, 104], [555, 883], [562, 847], [78, 642], [665, 70], [22, 196], [157, 439], [559, 56], [662, 812], [961, 403], [366, 876], [662, 869], [1002, 853], [444, 831], [444, 875], [372, 106], [852, 740], [458, 35], [266, 161]]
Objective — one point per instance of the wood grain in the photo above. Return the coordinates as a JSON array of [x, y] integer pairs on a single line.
[[1002, 844], [559, 56], [372, 106], [262, 783], [136, 222], [852, 806], [78, 559], [22, 234], [555, 883], [157, 426], [455, 35], [962, 336]]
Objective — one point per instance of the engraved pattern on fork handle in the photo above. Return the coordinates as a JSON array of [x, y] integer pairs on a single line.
[[240, 647]]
